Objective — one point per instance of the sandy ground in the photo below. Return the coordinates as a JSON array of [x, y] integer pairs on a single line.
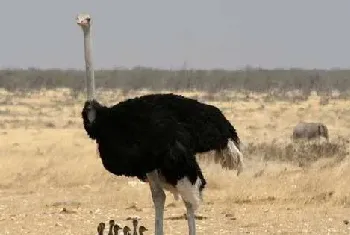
[[47, 163]]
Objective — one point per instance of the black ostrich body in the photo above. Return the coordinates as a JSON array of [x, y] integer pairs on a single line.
[[138, 136]]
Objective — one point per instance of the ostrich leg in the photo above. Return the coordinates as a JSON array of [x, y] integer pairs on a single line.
[[190, 219], [158, 197]]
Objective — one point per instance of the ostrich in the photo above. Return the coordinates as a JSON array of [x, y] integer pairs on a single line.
[[156, 138], [134, 224], [142, 229], [116, 229], [111, 225], [126, 230], [100, 228]]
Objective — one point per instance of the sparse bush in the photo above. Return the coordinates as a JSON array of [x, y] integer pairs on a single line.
[[302, 153]]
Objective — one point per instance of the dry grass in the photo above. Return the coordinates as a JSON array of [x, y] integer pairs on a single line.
[[47, 163]]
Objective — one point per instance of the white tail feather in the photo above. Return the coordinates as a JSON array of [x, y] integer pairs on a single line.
[[230, 157], [235, 155]]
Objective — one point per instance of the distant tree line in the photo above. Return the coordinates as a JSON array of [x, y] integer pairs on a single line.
[[250, 79]]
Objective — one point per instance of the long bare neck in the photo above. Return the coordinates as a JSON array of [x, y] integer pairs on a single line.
[[90, 76]]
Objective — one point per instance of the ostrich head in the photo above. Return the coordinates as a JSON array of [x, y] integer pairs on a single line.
[[84, 21], [92, 109]]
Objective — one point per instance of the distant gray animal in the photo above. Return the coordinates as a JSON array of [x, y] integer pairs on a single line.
[[310, 130]]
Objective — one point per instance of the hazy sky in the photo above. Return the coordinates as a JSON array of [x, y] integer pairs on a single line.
[[206, 33]]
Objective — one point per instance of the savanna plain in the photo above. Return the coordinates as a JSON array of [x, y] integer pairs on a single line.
[[53, 182]]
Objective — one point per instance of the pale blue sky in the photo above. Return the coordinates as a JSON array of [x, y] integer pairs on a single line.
[[207, 33]]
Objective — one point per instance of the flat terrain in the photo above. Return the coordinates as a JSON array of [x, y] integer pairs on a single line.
[[47, 163]]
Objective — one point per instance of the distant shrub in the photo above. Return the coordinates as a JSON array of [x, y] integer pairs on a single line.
[[302, 153]]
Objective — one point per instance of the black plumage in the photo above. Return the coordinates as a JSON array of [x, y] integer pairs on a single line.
[[208, 127], [140, 135]]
